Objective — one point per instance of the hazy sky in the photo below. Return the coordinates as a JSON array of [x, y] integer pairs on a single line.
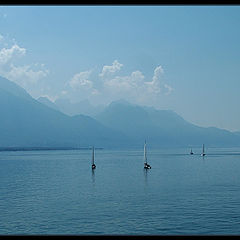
[[183, 58]]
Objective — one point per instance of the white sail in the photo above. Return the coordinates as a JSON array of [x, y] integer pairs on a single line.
[[145, 152], [146, 165]]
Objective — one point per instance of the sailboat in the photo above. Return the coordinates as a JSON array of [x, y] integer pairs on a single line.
[[146, 165], [93, 164], [203, 154], [191, 152]]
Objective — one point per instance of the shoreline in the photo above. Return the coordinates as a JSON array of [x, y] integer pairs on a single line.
[[5, 149]]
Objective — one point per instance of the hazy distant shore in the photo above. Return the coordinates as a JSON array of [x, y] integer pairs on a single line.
[[2, 149]]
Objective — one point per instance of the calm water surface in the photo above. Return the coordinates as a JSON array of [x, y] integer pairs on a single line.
[[56, 192]]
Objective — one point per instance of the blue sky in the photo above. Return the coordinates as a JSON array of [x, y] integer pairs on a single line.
[[183, 58]]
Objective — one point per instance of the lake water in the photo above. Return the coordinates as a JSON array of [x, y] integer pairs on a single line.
[[56, 192]]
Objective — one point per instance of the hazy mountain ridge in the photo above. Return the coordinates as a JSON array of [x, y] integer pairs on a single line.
[[25, 122], [162, 127], [13, 88], [81, 107], [47, 102]]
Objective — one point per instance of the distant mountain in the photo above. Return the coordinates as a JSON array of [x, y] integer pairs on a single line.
[[237, 132], [162, 127], [13, 88], [82, 107], [25, 122], [47, 102]]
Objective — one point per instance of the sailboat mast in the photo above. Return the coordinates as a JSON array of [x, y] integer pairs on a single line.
[[145, 152], [203, 148], [92, 155]]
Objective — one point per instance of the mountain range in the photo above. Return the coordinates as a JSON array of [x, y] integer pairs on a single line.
[[162, 127], [27, 122], [82, 107]]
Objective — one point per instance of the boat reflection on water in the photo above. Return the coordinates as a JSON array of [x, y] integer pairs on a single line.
[[145, 172], [93, 176]]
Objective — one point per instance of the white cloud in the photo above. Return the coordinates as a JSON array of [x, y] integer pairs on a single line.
[[81, 81], [169, 89], [125, 83], [108, 70], [135, 81], [7, 54], [134, 87], [24, 75], [158, 72], [157, 85], [80, 87], [27, 76], [154, 86]]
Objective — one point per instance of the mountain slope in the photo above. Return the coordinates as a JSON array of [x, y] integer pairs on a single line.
[[82, 107], [162, 127], [13, 88], [25, 122], [47, 102]]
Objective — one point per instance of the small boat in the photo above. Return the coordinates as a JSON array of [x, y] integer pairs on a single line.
[[146, 165], [191, 152], [203, 153], [93, 164]]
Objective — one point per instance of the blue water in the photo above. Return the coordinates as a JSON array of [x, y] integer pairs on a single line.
[[56, 192]]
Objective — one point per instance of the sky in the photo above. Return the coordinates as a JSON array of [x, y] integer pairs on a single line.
[[182, 58]]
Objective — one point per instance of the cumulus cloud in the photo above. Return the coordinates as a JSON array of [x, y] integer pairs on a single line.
[[158, 72], [80, 87], [109, 70], [125, 83], [81, 81], [7, 54], [157, 85], [24, 75], [168, 88], [134, 87]]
